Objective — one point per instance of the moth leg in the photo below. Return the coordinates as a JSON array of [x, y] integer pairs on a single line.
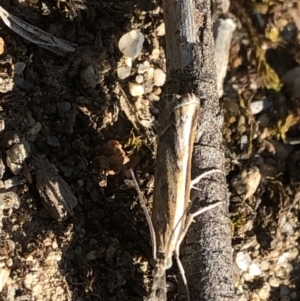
[[203, 175], [181, 270], [189, 220]]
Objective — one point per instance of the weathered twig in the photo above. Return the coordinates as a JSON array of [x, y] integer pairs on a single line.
[[36, 35], [191, 69]]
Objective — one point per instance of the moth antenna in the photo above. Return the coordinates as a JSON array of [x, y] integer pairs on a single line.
[[148, 218]]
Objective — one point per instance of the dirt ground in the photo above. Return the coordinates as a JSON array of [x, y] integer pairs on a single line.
[[71, 129]]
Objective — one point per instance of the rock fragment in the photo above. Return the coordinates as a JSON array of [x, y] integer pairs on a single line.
[[2, 46], [136, 90], [55, 193], [16, 156], [131, 43], [159, 77]]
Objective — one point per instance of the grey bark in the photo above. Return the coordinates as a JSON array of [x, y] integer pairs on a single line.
[[207, 253]]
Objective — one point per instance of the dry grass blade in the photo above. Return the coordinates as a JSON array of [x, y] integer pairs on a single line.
[[36, 35], [149, 221]]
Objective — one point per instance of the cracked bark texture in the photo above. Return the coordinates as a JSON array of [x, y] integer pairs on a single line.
[[206, 253]]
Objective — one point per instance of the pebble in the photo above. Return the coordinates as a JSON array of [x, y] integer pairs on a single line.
[[19, 67], [148, 87], [265, 265], [159, 77], [153, 97], [274, 282], [128, 62], [143, 67], [80, 183], [136, 90], [131, 43], [243, 261], [16, 156], [284, 290], [150, 72], [64, 106], [89, 78], [35, 129], [54, 245], [105, 66], [161, 29], [29, 280], [2, 46], [139, 79], [157, 91], [53, 141], [259, 106], [287, 229], [92, 255], [254, 270], [123, 72]]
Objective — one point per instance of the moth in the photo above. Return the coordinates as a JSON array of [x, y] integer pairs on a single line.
[[171, 200]]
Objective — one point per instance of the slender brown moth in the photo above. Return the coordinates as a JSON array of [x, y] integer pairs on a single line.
[[171, 201]]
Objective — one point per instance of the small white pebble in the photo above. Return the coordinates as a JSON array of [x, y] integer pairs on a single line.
[[143, 67], [54, 245], [159, 77], [259, 106], [157, 91], [131, 43], [243, 261], [153, 97], [128, 62], [254, 270], [139, 79], [274, 282], [29, 280], [161, 30], [136, 90], [123, 72]]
